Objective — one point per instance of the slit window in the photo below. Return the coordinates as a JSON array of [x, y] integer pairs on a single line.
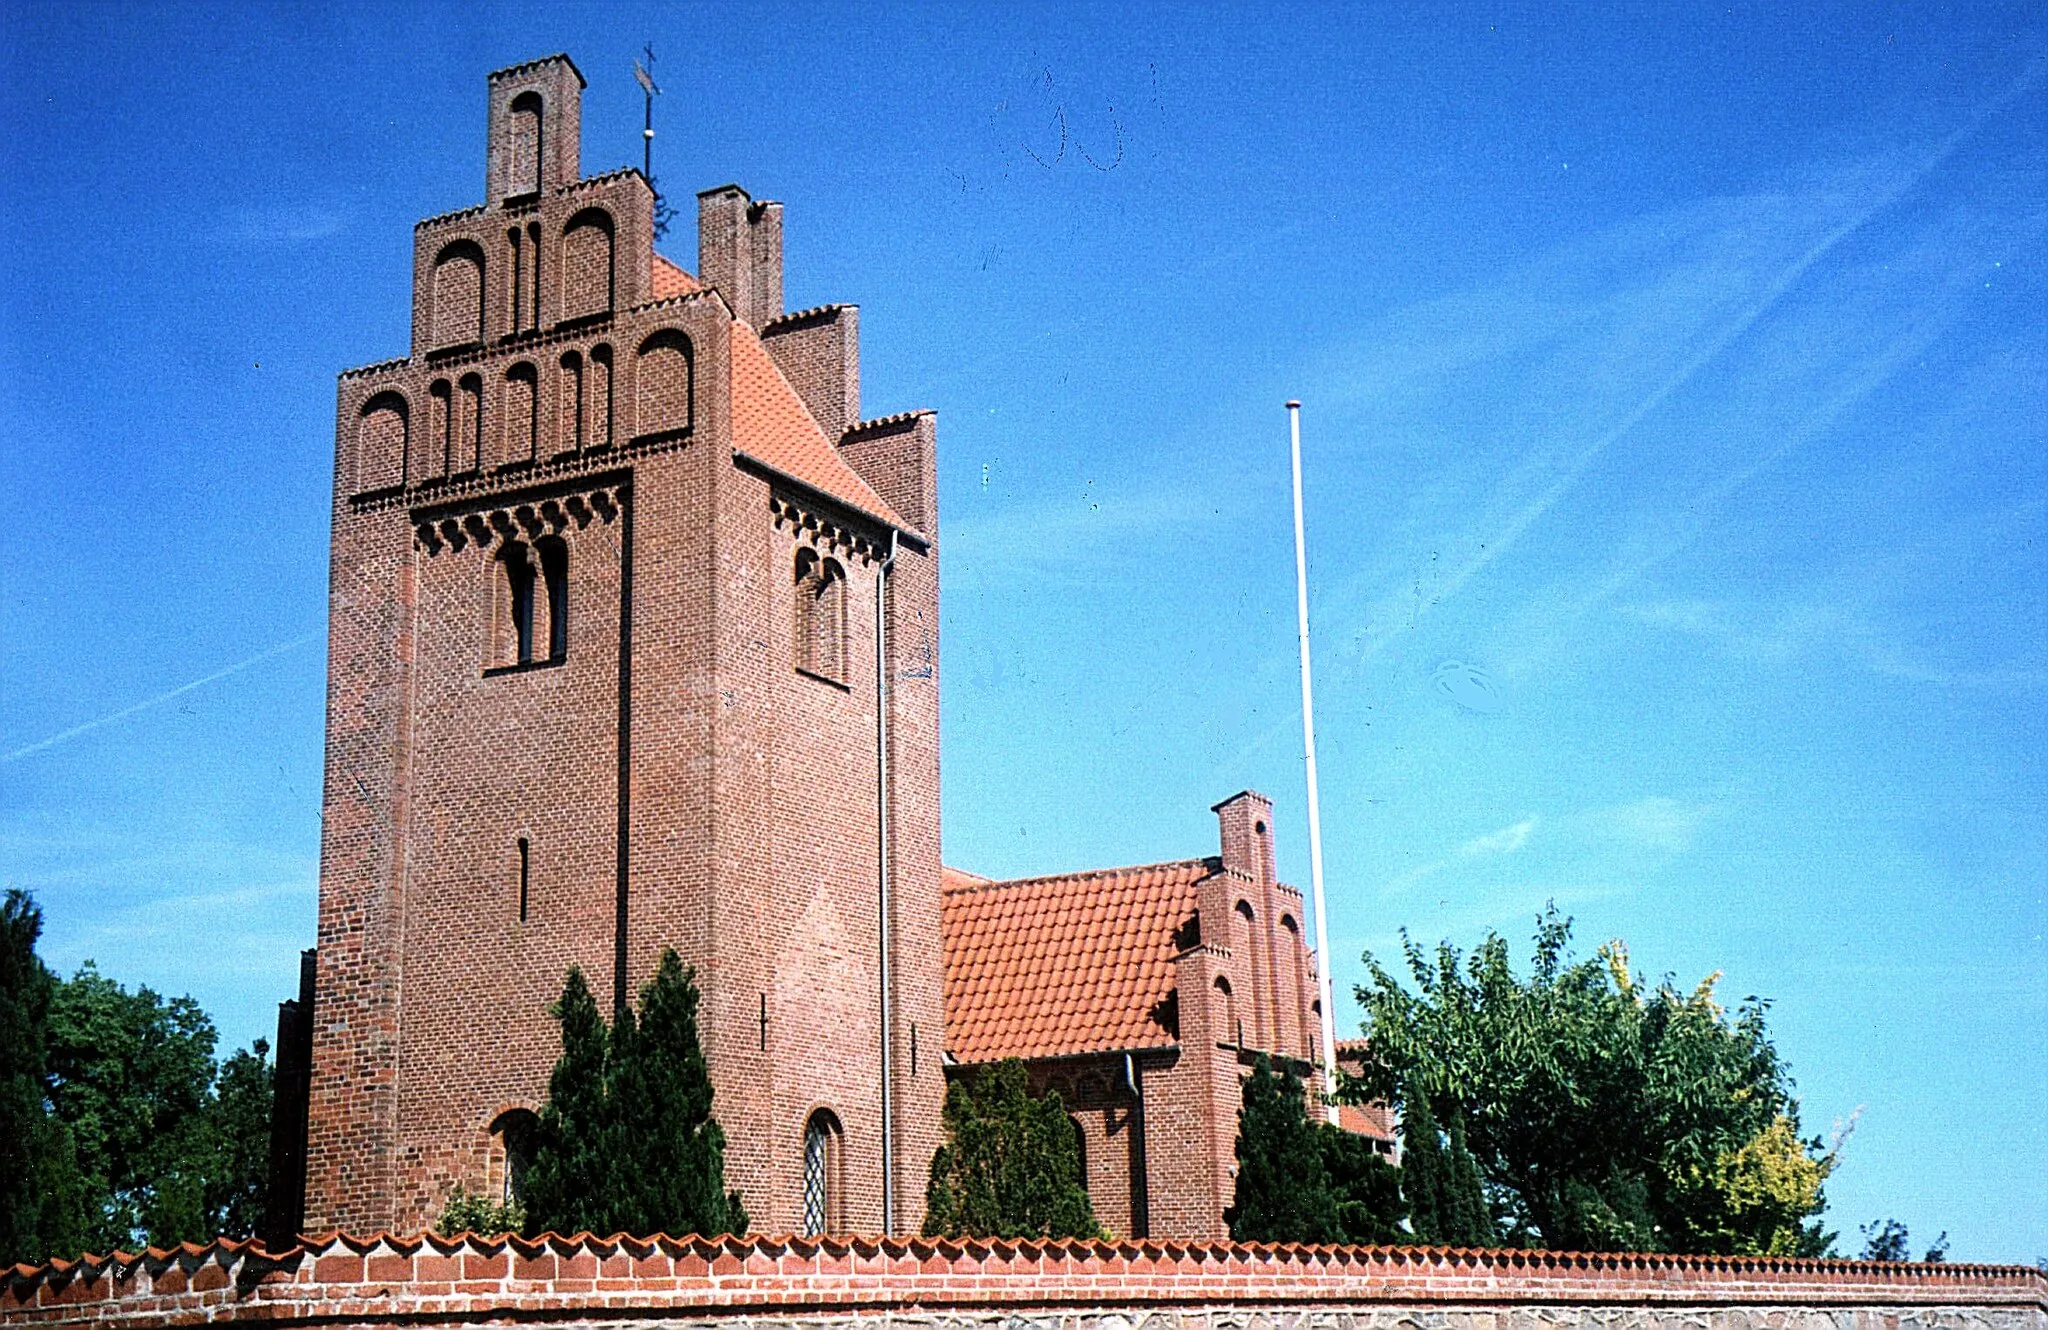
[[525, 867]]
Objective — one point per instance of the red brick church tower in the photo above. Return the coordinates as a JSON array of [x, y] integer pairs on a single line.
[[614, 558]]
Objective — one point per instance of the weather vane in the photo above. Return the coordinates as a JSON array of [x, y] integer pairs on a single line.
[[643, 75]]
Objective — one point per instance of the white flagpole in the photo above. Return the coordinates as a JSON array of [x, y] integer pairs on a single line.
[[1315, 818]]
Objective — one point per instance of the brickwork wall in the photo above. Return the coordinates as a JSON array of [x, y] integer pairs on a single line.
[[796, 1284]]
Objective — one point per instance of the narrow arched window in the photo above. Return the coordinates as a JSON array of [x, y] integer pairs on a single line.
[[1252, 946], [513, 618], [554, 571], [469, 427], [522, 413], [822, 1150], [570, 426], [1080, 1151], [820, 616], [440, 447], [513, 1135], [1224, 1008], [598, 430]]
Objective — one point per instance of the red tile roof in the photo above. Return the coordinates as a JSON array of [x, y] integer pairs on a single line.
[[1080, 963], [670, 280], [1374, 1120], [771, 425]]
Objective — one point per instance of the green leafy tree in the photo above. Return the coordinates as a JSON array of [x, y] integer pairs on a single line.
[[1011, 1166], [42, 1210], [1283, 1190], [627, 1141], [1602, 1113], [132, 1075], [240, 1142]]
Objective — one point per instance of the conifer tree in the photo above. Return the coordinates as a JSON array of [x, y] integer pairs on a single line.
[[627, 1141], [1283, 1192], [1366, 1188], [1423, 1169], [1467, 1221], [1011, 1166]]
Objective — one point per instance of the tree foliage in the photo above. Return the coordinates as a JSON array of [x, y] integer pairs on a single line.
[[1888, 1240], [627, 1141], [1011, 1164], [1299, 1180], [119, 1128], [42, 1206], [1602, 1113]]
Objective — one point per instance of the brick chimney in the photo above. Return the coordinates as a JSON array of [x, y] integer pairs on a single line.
[[739, 251], [1246, 822]]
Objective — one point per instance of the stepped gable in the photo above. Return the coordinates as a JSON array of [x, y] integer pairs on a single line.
[[771, 426], [1077, 963]]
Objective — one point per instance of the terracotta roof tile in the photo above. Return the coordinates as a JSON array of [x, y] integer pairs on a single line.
[[670, 280], [1080, 963], [771, 425]]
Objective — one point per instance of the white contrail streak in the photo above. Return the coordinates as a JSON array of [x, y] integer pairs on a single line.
[[158, 700]]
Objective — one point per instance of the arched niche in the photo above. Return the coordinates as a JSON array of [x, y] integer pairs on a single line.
[[587, 264], [458, 287], [382, 431], [663, 388]]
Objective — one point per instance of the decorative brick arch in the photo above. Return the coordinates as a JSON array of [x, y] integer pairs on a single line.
[[664, 386], [588, 280], [458, 309], [383, 430]]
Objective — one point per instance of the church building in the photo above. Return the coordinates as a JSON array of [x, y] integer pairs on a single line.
[[634, 644]]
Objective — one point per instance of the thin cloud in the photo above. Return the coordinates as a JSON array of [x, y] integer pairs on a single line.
[[65, 736], [1505, 841]]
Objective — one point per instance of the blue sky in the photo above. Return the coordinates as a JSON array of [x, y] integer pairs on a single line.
[[1674, 439]]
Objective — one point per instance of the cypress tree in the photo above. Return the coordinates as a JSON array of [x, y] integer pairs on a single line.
[[1468, 1221], [1423, 1169], [571, 1172], [627, 1141], [1011, 1166], [1366, 1188], [1283, 1192], [672, 1151]]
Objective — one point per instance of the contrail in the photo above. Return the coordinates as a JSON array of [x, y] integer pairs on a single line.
[[159, 699], [1512, 532]]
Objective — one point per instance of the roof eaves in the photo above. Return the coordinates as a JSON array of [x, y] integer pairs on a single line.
[[769, 470]]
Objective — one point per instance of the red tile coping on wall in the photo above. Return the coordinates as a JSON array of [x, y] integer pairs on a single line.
[[427, 1277]]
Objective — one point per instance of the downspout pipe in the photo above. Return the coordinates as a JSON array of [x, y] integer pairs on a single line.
[[887, 1003]]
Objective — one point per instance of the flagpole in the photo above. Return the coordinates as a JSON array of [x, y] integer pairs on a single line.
[[1315, 818]]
